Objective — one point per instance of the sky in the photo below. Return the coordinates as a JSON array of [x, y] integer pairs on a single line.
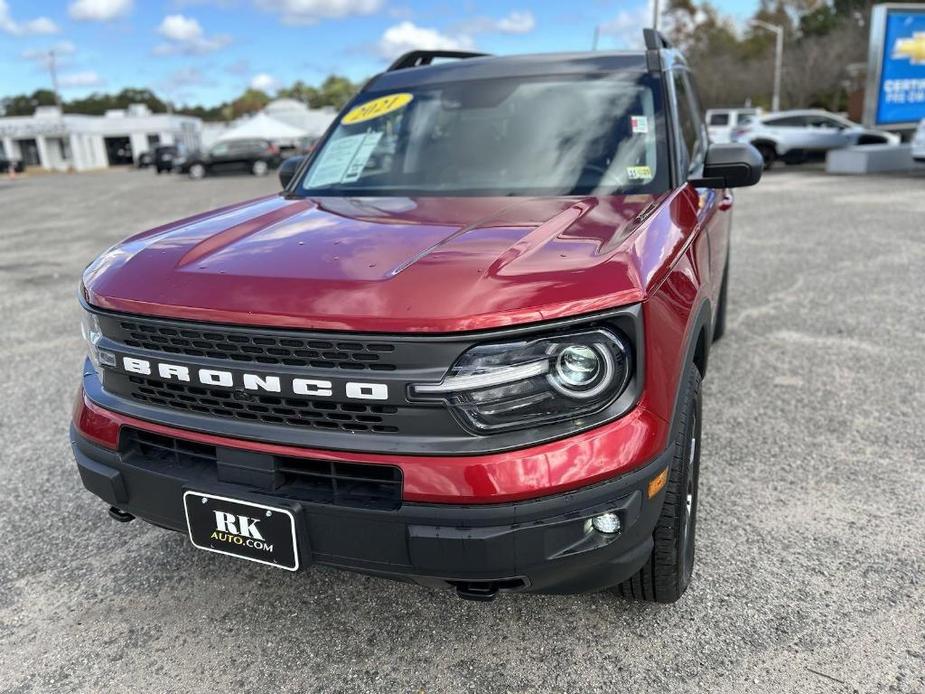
[[209, 51]]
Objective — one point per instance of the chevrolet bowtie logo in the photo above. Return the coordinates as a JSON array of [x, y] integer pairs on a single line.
[[913, 48]]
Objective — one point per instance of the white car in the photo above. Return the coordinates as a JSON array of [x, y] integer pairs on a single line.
[[796, 136], [918, 143], [722, 121]]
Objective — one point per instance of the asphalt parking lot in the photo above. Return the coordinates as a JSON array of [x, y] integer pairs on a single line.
[[811, 545]]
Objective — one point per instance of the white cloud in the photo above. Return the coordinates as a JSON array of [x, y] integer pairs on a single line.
[[85, 78], [180, 28], [312, 11], [626, 27], [62, 48], [39, 25], [264, 82], [185, 77], [185, 36], [408, 36], [517, 22], [99, 10]]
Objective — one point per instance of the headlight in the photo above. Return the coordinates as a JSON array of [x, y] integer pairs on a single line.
[[513, 385], [92, 334]]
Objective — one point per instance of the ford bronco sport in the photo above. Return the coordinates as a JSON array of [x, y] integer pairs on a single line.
[[463, 347]]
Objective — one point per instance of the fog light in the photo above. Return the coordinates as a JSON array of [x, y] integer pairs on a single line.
[[608, 523]]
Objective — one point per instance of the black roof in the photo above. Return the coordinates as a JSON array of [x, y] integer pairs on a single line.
[[511, 66]]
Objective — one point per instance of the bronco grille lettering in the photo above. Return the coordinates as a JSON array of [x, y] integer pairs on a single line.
[[318, 388]]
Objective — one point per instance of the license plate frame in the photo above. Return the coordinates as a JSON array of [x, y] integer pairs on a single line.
[[220, 541]]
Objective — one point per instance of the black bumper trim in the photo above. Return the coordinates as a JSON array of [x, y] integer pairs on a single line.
[[542, 545]]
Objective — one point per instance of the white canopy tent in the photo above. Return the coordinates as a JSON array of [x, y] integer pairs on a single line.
[[263, 127]]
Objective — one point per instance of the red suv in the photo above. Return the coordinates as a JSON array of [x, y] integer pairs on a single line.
[[463, 347]]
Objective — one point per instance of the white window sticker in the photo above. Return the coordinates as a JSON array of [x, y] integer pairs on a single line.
[[344, 159], [637, 173], [639, 124]]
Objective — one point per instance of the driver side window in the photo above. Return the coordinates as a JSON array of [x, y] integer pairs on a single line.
[[823, 122], [693, 132]]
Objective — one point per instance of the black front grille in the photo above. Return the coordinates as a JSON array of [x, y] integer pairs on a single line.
[[269, 409], [317, 481], [338, 417], [166, 449], [261, 347], [342, 484]]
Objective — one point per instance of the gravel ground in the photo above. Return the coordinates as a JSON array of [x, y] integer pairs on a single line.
[[811, 548]]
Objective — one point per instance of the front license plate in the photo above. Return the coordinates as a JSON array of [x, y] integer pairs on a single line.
[[265, 534]]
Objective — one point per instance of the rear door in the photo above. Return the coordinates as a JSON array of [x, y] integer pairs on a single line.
[[219, 159], [828, 133], [243, 154], [790, 132]]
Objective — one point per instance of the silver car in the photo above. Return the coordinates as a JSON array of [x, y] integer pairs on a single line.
[[918, 143], [796, 136]]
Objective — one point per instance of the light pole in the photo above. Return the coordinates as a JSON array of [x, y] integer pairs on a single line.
[[655, 14], [778, 58], [52, 68]]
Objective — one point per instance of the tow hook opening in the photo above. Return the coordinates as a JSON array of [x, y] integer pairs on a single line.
[[486, 591], [120, 515]]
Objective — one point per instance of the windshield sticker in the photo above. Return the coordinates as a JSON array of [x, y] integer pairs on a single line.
[[636, 173], [639, 124], [344, 160], [377, 108]]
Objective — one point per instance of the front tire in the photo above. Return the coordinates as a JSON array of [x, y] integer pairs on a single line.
[[667, 573], [197, 171], [768, 154], [259, 168]]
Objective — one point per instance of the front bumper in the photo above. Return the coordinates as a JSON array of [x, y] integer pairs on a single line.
[[539, 545]]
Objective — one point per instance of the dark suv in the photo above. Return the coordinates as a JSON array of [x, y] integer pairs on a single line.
[[167, 158], [233, 156], [463, 347]]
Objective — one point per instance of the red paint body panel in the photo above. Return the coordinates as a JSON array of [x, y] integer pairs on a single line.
[[373, 265], [439, 265], [548, 469]]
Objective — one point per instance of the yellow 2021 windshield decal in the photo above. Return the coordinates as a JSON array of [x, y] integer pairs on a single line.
[[377, 107]]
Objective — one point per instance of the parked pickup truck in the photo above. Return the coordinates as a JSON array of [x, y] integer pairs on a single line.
[[463, 347]]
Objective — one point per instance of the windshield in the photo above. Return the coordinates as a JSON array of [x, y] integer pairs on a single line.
[[571, 135]]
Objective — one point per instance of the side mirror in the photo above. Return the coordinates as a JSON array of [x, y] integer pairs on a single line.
[[734, 165], [287, 170]]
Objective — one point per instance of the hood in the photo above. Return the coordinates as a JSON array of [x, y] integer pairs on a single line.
[[381, 264]]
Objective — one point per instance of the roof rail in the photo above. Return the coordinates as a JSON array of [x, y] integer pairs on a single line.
[[421, 58], [655, 39]]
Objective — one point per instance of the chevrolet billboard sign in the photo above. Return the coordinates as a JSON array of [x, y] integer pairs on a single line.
[[895, 94]]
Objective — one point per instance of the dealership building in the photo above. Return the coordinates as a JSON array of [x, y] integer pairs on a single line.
[[52, 140]]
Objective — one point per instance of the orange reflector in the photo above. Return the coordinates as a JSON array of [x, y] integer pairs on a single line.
[[657, 482]]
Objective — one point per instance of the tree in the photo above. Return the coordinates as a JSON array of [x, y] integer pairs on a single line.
[[310, 96], [821, 38], [97, 103], [249, 102], [335, 91], [25, 104]]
